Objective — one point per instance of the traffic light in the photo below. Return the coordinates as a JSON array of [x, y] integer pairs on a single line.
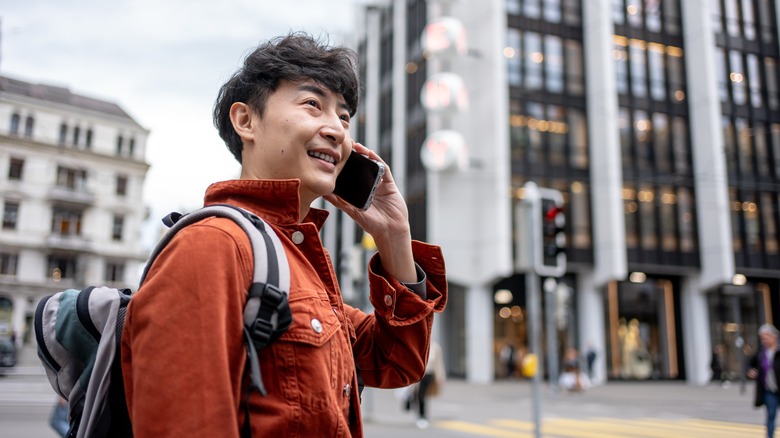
[[551, 250]]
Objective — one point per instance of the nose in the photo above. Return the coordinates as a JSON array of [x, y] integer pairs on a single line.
[[333, 130]]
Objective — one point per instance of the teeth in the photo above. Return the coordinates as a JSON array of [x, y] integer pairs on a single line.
[[322, 156]]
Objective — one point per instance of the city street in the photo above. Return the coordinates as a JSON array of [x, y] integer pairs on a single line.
[[502, 409]]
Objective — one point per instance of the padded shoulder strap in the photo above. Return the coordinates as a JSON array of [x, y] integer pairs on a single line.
[[270, 260]]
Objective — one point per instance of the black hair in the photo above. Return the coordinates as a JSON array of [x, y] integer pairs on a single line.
[[295, 57]]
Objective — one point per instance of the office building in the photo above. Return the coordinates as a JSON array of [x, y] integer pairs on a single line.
[[659, 123]]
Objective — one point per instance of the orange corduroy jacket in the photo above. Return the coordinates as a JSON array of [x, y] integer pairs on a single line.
[[183, 355]]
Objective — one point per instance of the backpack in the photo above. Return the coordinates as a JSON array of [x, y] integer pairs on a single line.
[[79, 332]]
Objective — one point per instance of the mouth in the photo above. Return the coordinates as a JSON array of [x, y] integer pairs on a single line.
[[324, 157]]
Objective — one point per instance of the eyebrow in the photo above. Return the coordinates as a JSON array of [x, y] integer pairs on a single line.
[[320, 91]]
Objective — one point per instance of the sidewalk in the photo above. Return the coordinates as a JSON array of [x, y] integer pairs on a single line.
[[617, 399]]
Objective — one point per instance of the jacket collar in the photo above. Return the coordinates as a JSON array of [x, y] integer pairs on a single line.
[[276, 201]]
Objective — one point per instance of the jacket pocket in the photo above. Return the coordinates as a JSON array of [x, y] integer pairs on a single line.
[[310, 355]]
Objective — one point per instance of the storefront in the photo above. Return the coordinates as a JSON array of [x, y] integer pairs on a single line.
[[643, 329]]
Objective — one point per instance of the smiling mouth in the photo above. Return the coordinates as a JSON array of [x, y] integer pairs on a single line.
[[323, 157]]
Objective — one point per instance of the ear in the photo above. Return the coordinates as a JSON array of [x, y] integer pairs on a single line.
[[241, 117]]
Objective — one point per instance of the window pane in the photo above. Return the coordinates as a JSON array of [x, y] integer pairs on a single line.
[[661, 143], [553, 61], [736, 219], [762, 152], [552, 11], [617, 11], [556, 135], [685, 212], [745, 147], [646, 198], [533, 60], [737, 77], [752, 230], [720, 71], [572, 12], [775, 136], [580, 216], [624, 122], [671, 17], [638, 66], [675, 66], [754, 80], [620, 55], [10, 215], [513, 7], [631, 211], [513, 54], [575, 83], [729, 145], [748, 20], [29, 124], [634, 12], [668, 219], [656, 60], [653, 15], [532, 8], [769, 223], [643, 137], [578, 139], [732, 18], [536, 142], [680, 144], [15, 169], [716, 16], [771, 83]]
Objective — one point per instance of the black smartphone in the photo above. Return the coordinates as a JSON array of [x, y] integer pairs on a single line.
[[358, 180]]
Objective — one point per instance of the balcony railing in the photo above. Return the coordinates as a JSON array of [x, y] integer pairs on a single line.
[[64, 194], [68, 242]]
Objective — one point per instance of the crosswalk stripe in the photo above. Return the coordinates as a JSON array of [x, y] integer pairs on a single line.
[[603, 427], [479, 429], [549, 427]]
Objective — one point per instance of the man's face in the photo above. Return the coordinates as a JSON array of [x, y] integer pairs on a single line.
[[302, 134]]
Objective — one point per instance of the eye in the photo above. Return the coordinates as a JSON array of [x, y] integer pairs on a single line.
[[313, 102], [344, 117]]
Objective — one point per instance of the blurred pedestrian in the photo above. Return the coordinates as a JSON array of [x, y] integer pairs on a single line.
[[572, 378], [716, 364], [430, 385], [590, 359], [508, 358], [58, 420], [765, 369]]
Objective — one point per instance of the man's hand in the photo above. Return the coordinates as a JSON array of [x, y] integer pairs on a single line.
[[387, 221]]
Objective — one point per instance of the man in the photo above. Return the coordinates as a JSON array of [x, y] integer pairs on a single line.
[[765, 368], [285, 117]]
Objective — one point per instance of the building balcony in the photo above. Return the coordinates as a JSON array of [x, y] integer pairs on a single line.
[[68, 242], [70, 196]]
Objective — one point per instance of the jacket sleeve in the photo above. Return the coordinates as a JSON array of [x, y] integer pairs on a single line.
[[391, 345], [183, 354]]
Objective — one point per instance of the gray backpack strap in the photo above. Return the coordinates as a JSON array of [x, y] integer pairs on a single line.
[[267, 312]]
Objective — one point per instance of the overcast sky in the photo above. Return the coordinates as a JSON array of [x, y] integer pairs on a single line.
[[162, 61]]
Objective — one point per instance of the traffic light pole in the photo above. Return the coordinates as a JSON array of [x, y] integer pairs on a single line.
[[533, 298]]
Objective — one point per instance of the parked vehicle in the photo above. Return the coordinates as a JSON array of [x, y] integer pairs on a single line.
[[7, 354]]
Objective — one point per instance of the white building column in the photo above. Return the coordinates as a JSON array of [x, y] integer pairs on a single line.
[[479, 335], [696, 334], [709, 162], [609, 240], [591, 322]]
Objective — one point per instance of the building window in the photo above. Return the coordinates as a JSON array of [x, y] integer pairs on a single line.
[[631, 208], [131, 148], [14, 129], [533, 61], [121, 185], [10, 215], [29, 124], [76, 135], [770, 226], [575, 80], [636, 56], [578, 139], [73, 179], [119, 145], [89, 139], [580, 216], [115, 272], [66, 222], [513, 52], [646, 197], [772, 90], [62, 267], [620, 56], [668, 221], [553, 62], [8, 263], [661, 147], [685, 219], [117, 227], [552, 11], [63, 133], [15, 169]]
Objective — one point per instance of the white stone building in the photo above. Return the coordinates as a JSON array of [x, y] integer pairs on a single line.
[[72, 171]]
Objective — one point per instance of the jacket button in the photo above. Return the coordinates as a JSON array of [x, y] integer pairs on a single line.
[[316, 325], [347, 387], [388, 300], [297, 237]]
